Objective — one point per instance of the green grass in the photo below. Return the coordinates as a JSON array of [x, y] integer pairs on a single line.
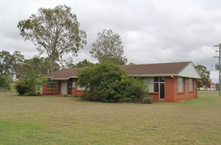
[[67, 120], [204, 99]]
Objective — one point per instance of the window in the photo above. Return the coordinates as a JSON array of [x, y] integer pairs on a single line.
[[149, 82], [180, 84], [51, 85], [153, 83], [156, 79], [162, 79], [156, 87], [190, 84]]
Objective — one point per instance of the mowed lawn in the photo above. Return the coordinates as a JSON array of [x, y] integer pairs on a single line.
[[67, 120]]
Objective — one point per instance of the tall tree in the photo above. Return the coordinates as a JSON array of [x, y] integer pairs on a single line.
[[108, 48], [6, 63], [38, 64], [4, 82], [18, 60], [205, 75], [9, 63], [70, 63], [54, 31]]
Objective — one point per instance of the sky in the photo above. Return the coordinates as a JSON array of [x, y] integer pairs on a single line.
[[152, 31]]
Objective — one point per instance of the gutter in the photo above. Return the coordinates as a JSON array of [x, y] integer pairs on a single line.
[[52, 78], [153, 75]]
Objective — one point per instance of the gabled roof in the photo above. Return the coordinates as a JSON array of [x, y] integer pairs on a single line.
[[155, 69], [182, 69], [63, 74]]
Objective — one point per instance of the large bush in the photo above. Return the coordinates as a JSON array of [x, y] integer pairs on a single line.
[[109, 83], [30, 85]]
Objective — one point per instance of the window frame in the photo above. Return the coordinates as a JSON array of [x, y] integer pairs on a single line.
[[191, 82], [181, 83], [154, 83], [51, 84]]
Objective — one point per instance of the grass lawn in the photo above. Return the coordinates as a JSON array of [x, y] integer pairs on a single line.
[[66, 120]]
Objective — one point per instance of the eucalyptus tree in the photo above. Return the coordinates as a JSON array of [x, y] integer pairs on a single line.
[[108, 48], [54, 31], [6, 63], [205, 75]]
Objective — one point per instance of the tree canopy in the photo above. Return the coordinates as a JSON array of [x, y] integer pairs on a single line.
[[67, 64], [131, 63], [39, 64], [9, 63], [54, 31], [205, 75], [108, 48], [84, 63]]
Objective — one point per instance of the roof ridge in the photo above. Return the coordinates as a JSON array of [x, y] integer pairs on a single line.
[[73, 68], [157, 63]]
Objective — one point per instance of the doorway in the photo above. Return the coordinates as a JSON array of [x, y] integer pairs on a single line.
[[63, 87]]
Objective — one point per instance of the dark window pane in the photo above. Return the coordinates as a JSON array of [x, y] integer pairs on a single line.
[[156, 88], [156, 79], [162, 79], [162, 93]]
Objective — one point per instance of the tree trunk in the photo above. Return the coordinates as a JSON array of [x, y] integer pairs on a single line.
[[52, 65]]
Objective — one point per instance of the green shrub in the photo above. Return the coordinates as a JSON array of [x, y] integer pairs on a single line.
[[29, 85], [109, 83], [21, 87]]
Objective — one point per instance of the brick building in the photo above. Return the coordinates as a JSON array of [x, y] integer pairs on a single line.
[[170, 82]]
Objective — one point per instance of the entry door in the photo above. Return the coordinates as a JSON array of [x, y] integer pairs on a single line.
[[162, 91], [63, 87]]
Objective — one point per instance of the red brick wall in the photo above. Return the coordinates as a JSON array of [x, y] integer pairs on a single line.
[[155, 95], [186, 95], [171, 90], [46, 91], [170, 87]]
